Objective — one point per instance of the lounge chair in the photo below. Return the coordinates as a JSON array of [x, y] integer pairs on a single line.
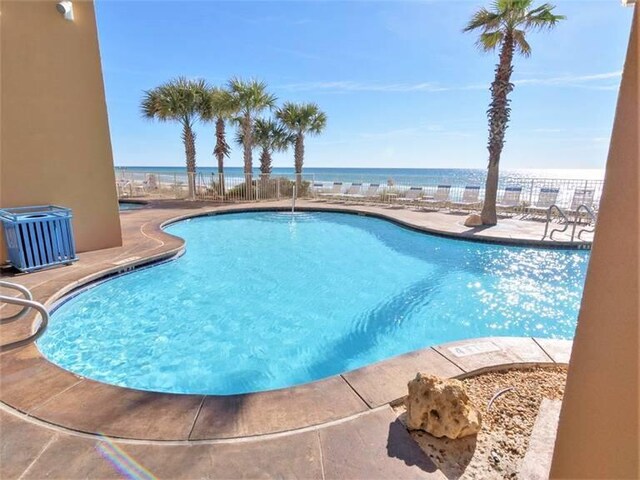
[[316, 189], [372, 192], [581, 196], [335, 191], [352, 192], [411, 196], [440, 199], [124, 188], [470, 199], [369, 194], [510, 201], [546, 198]]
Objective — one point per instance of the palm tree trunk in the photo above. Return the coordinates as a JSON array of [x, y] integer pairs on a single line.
[[498, 114], [299, 159], [220, 151], [265, 172], [265, 162], [189, 139], [248, 154]]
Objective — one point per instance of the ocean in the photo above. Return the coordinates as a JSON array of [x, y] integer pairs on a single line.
[[405, 176]]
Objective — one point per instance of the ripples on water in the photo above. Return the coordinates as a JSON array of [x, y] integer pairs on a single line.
[[269, 300]]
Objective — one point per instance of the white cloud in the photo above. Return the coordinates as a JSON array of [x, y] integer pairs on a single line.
[[573, 80], [593, 81], [350, 86]]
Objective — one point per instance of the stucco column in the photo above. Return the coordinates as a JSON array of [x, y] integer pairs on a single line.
[[55, 146], [599, 423]]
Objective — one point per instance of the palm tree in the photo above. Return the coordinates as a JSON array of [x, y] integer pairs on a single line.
[[504, 26], [251, 98], [219, 106], [271, 137], [178, 100], [301, 119]]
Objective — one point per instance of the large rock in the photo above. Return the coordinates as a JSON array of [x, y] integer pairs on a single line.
[[473, 220], [441, 407]]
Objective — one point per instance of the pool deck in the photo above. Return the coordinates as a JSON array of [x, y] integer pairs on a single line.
[[58, 425]]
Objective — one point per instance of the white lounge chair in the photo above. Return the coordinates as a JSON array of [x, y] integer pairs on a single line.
[[411, 196], [510, 201], [370, 193], [317, 189], [470, 199], [440, 199], [582, 196], [546, 198], [335, 191], [352, 192], [124, 188]]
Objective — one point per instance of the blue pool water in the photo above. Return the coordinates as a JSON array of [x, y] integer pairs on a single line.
[[266, 300], [126, 206]]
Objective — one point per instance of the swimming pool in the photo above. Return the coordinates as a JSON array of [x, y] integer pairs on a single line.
[[266, 300]]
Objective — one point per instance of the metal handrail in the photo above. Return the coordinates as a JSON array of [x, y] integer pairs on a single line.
[[27, 294], [27, 305], [562, 214], [590, 213]]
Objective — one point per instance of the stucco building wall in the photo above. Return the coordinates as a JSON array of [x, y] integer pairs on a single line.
[[599, 430], [54, 133]]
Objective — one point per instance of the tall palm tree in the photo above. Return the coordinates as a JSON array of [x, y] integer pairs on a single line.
[[504, 26], [301, 119], [219, 107], [179, 100], [251, 97]]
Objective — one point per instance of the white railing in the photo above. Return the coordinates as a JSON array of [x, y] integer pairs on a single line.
[[257, 187]]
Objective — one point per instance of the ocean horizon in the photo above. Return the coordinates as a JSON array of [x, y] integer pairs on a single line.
[[456, 176]]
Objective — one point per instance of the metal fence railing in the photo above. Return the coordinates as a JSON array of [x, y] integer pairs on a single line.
[[534, 192], [210, 186]]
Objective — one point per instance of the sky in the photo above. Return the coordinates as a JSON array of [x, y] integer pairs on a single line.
[[401, 85]]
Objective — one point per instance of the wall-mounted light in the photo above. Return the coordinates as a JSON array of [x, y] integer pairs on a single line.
[[65, 8]]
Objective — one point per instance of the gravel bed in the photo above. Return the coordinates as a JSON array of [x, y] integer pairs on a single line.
[[499, 448]]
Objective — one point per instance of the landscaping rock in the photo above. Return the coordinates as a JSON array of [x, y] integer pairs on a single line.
[[473, 220], [441, 407]]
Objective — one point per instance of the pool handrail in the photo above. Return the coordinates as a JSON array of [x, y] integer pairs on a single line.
[[27, 304]]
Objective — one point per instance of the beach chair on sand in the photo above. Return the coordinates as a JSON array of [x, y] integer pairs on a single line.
[[352, 192], [510, 202], [335, 191], [470, 199], [440, 199], [546, 198], [411, 196]]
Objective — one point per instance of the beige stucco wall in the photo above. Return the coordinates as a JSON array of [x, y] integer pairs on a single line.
[[598, 434], [55, 146]]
